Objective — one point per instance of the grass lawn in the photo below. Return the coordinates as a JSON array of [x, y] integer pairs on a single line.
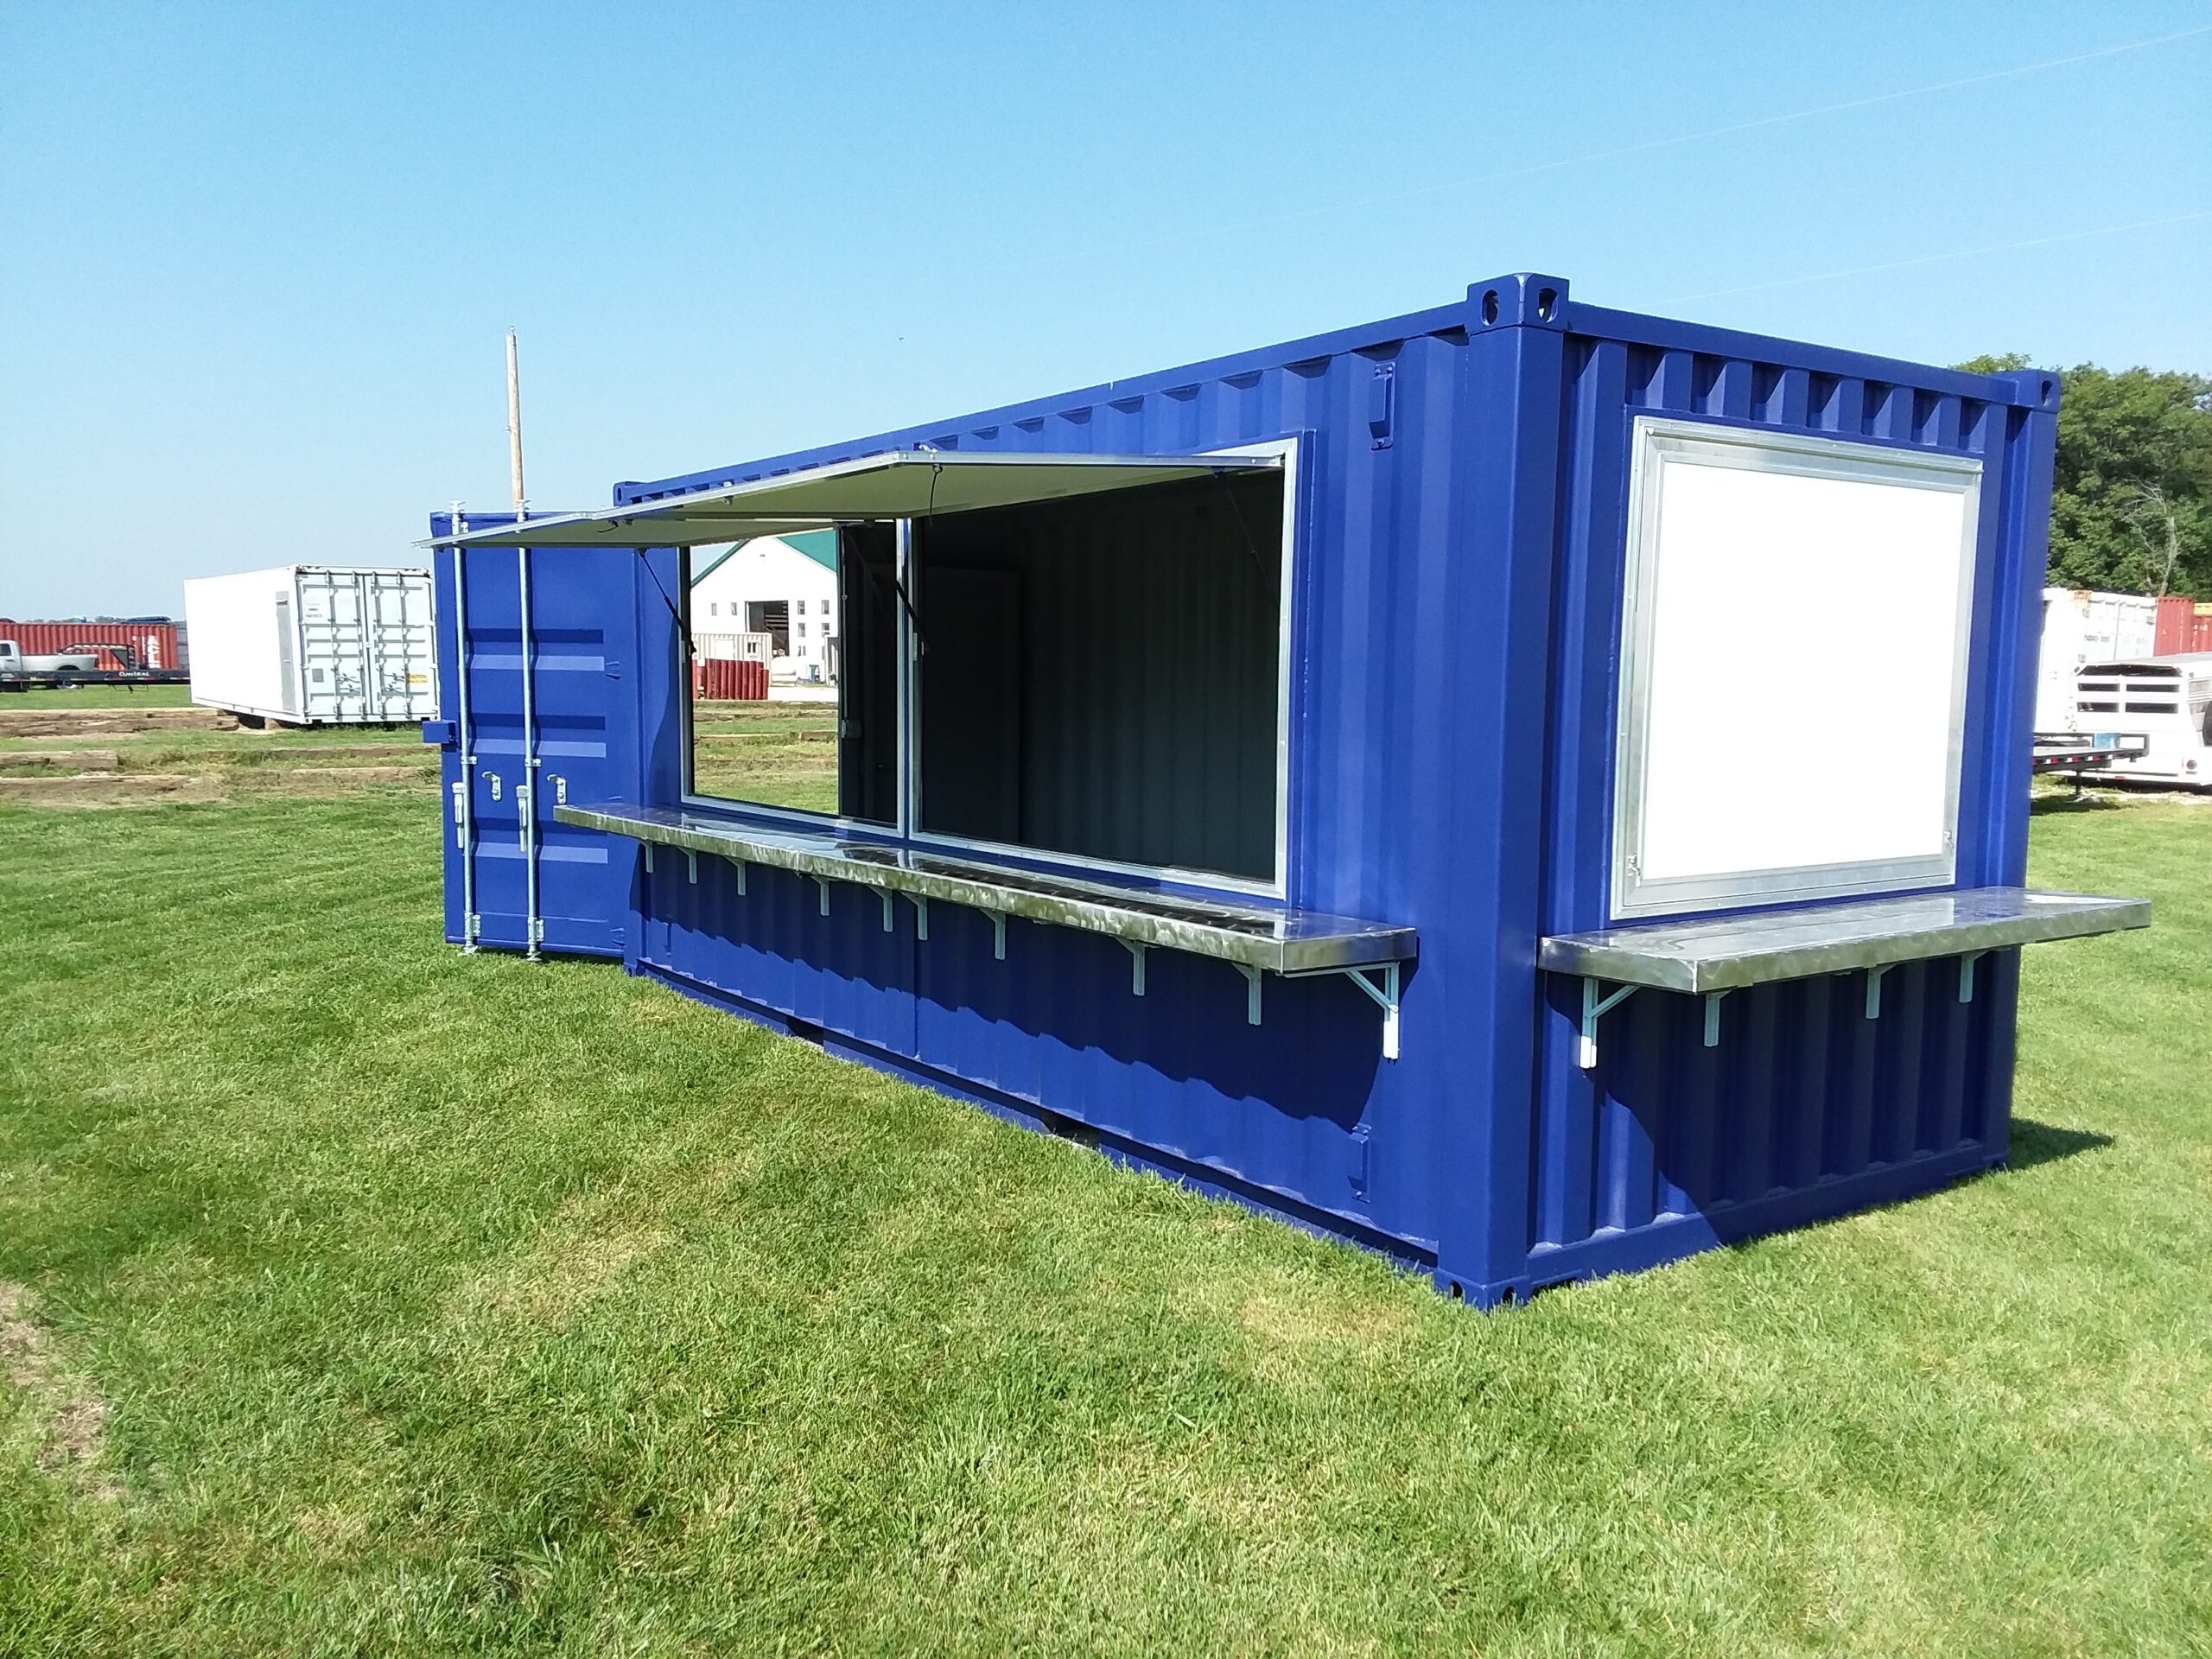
[[359, 1297], [770, 754], [97, 696]]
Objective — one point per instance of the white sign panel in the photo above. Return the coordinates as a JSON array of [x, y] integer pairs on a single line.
[[1793, 685]]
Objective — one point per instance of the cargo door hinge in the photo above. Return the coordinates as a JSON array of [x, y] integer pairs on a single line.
[[1382, 396]]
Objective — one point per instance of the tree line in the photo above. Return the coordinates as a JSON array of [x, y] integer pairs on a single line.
[[2131, 509]]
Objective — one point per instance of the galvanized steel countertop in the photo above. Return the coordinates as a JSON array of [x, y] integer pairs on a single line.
[[1719, 953], [1257, 936]]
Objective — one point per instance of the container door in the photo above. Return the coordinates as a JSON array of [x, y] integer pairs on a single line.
[[537, 700], [330, 645], [288, 679], [399, 643]]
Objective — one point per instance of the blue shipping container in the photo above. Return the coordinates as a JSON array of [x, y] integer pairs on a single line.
[[1320, 883]]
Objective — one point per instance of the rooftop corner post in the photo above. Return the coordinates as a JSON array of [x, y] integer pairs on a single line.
[[1506, 460], [2020, 445]]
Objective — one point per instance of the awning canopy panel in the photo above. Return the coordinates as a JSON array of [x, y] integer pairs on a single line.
[[898, 484]]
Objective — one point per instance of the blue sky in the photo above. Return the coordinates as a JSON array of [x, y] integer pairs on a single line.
[[256, 262]]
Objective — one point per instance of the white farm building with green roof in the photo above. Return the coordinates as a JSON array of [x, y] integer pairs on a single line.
[[773, 598]]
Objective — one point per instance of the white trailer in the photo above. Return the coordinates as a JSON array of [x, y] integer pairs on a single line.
[[312, 645], [2167, 699], [2081, 626]]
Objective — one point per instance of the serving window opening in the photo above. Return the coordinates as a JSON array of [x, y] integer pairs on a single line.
[[1100, 678], [792, 692], [1079, 660]]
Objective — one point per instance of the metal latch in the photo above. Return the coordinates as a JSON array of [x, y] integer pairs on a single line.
[[460, 814], [494, 778], [560, 792]]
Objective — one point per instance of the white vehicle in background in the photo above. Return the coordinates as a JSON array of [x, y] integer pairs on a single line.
[[2080, 626], [2167, 699], [12, 661]]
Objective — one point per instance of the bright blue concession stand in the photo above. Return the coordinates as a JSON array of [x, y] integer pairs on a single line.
[[1534, 790]]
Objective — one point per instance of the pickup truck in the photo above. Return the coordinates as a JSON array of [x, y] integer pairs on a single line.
[[82, 659]]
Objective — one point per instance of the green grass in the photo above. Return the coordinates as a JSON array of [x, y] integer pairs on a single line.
[[97, 696], [770, 755], [441, 1305]]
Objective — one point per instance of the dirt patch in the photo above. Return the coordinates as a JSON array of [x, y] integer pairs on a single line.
[[325, 780], [338, 751], [108, 789], [38, 762], [1283, 1317], [72, 1417], [84, 722], [143, 788]]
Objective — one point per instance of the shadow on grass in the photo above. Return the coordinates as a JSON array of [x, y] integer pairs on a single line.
[[2037, 1144], [2087, 801]]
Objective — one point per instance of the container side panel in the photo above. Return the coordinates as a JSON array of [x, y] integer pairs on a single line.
[[1299, 1111], [1805, 1106], [237, 659]]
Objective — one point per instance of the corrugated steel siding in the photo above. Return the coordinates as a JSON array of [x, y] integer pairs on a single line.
[[1300, 1111], [2183, 625], [587, 680], [1462, 489], [158, 645], [1805, 1101]]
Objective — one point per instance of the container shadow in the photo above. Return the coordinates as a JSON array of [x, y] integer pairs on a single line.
[[2035, 1143], [2055, 805]]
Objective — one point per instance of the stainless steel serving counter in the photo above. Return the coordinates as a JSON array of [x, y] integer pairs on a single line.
[[1712, 955], [1719, 953], [1274, 940]]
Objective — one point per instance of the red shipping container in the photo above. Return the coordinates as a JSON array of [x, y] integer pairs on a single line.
[[2183, 625], [151, 643]]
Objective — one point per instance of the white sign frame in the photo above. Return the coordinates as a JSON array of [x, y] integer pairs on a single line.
[[1658, 444]]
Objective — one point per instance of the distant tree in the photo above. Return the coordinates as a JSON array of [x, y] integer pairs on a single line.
[[2131, 509]]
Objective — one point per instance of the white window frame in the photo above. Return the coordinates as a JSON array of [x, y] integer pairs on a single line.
[[1635, 897], [1274, 886], [904, 827]]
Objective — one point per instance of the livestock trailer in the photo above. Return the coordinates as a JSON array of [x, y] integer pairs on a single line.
[[1356, 778], [2165, 700], [311, 644], [2081, 626]]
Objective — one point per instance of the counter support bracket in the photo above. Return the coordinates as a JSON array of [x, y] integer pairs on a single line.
[[822, 883], [1966, 970], [1384, 996], [1874, 989], [1713, 1018], [691, 865], [1251, 992], [921, 915], [998, 933], [1593, 1009], [1136, 966], [738, 864]]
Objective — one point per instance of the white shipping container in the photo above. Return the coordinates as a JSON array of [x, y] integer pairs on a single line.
[[732, 647], [2081, 626], [315, 645]]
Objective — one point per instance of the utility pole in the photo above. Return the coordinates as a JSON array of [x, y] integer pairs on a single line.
[[514, 425]]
